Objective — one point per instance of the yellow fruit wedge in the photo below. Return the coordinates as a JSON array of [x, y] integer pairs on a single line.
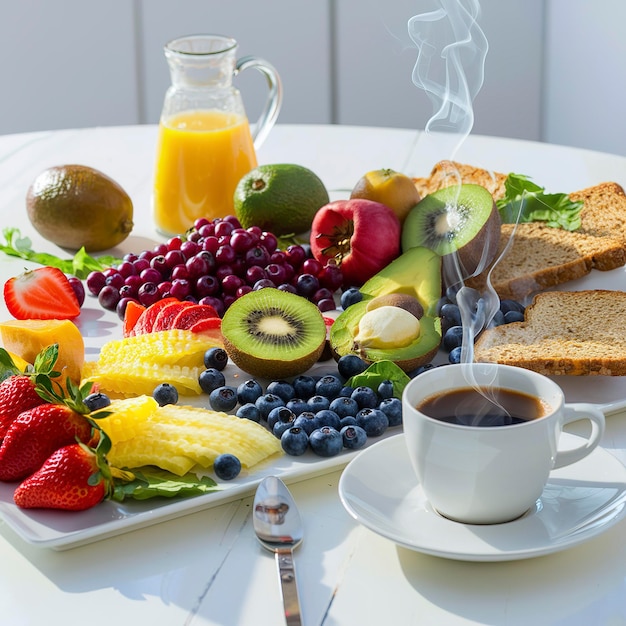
[[136, 365], [183, 438], [27, 338], [126, 417]]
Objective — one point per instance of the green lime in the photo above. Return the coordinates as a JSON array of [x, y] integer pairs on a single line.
[[281, 198]]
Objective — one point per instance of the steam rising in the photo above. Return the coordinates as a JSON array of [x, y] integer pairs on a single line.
[[452, 50], [450, 65]]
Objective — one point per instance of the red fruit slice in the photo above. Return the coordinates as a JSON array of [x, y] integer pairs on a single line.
[[167, 314], [131, 315], [146, 319], [193, 314], [210, 327], [44, 293]]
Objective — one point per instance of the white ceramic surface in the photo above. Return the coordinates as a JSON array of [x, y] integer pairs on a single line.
[[579, 502]]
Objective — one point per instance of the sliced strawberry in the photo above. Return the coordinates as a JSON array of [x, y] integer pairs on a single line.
[[167, 314], [131, 315], [146, 320], [44, 293], [193, 314], [210, 327]]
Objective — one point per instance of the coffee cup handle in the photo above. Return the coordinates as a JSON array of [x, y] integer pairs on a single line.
[[575, 412]]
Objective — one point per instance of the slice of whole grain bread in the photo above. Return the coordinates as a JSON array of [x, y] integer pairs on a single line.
[[563, 333]]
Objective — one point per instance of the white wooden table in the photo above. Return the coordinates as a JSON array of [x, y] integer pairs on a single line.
[[207, 567]]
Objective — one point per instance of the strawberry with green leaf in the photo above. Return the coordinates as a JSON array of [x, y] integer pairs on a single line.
[[18, 390], [42, 293]]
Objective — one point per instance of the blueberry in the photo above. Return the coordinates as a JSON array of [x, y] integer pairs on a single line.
[[317, 403], [282, 389], [326, 417], [279, 414], [280, 427], [350, 365], [97, 401], [328, 386], [513, 316], [452, 314], [249, 391], [267, 402], [249, 411], [421, 369], [511, 305], [346, 391], [306, 421], [210, 379], [297, 405], [326, 441], [453, 338], [385, 389], [227, 466], [348, 420], [392, 408], [373, 421], [304, 386], [349, 297], [454, 356], [344, 406], [353, 437], [294, 441], [497, 319], [165, 394], [215, 358], [223, 398], [365, 397]]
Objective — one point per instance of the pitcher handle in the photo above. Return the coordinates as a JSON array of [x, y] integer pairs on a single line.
[[268, 116]]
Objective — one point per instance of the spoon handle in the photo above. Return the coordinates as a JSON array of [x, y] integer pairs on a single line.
[[288, 586]]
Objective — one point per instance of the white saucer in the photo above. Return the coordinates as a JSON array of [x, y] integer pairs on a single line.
[[379, 489]]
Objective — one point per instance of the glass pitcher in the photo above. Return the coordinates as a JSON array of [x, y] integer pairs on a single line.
[[205, 145]]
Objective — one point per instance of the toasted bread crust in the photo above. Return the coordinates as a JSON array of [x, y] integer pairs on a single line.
[[559, 337]]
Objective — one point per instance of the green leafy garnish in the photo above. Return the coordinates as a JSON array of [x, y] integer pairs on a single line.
[[524, 201], [377, 372], [152, 482], [80, 265]]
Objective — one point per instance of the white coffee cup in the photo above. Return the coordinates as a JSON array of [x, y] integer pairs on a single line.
[[490, 474]]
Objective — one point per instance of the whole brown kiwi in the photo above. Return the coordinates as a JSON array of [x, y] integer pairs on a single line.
[[75, 206], [400, 300]]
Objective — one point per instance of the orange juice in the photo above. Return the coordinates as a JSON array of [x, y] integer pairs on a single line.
[[201, 156]]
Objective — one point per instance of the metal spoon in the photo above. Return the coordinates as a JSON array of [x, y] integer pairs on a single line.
[[278, 527]]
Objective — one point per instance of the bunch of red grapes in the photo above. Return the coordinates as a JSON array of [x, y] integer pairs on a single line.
[[216, 262]]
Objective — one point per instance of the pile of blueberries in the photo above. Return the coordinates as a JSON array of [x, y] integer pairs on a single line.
[[317, 413]]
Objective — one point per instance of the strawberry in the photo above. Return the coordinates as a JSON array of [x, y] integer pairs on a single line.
[[74, 477], [35, 434], [17, 394], [18, 391], [42, 293]]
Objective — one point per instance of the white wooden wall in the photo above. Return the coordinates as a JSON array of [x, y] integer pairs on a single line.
[[555, 71]]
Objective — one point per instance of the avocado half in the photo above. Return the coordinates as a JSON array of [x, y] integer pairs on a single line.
[[416, 272]]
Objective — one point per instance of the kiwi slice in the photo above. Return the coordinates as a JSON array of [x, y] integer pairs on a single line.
[[462, 220], [271, 333]]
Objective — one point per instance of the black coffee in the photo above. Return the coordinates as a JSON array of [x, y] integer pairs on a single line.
[[484, 406]]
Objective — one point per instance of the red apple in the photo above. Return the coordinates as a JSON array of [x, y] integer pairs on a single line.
[[362, 236]]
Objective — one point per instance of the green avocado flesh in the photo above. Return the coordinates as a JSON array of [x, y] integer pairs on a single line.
[[417, 273]]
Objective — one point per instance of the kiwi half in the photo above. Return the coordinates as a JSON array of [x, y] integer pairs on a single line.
[[271, 333], [461, 220]]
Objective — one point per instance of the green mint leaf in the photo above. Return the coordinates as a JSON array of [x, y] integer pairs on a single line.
[[80, 265], [524, 201], [377, 372], [153, 482], [7, 366]]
